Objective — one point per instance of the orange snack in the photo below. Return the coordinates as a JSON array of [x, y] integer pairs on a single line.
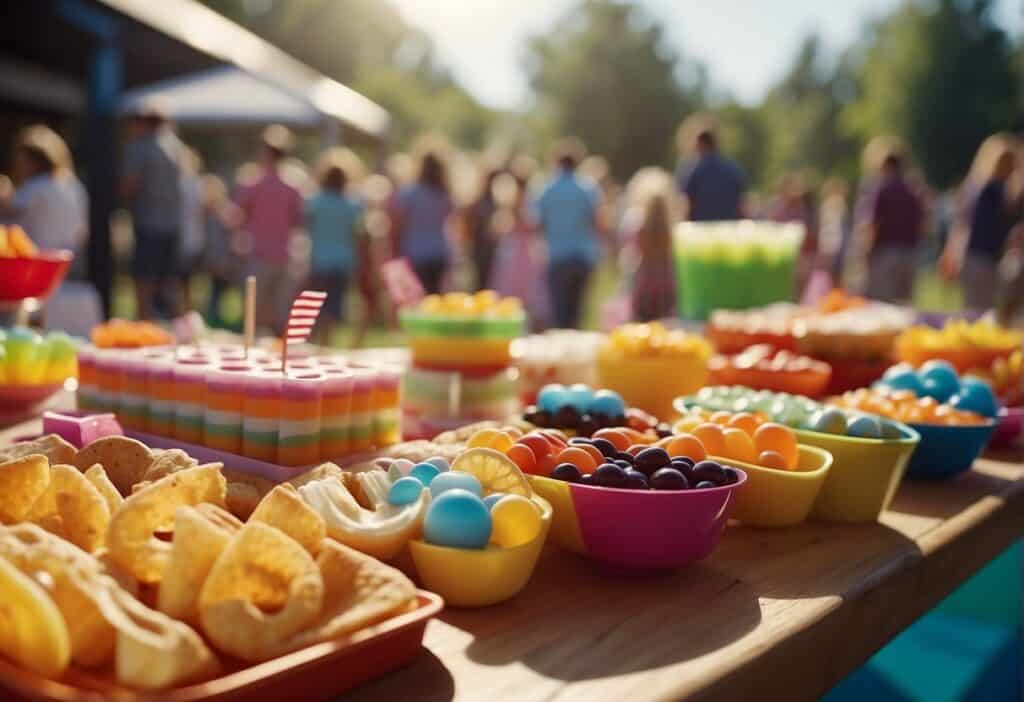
[[772, 459], [579, 458], [686, 445], [777, 438], [523, 456], [712, 436], [616, 437], [739, 446], [745, 421]]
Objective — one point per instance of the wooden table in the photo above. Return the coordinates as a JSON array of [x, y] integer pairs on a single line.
[[772, 614]]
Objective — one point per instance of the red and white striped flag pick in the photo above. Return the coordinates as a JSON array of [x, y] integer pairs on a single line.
[[302, 318]]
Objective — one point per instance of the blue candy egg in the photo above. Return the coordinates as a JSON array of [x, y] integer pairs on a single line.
[[457, 519], [607, 402], [404, 491], [580, 396], [939, 379], [453, 480], [864, 427], [890, 430], [829, 421], [976, 396], [439, 462], [552, 398], [905, 379], [940, 388], [424, 472], [493, 498]]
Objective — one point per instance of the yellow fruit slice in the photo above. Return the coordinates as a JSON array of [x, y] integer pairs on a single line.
[[495, 471], [32, 631]]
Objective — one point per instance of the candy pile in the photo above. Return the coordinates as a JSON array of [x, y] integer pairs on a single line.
[[650, 365], [460, 373], [742, 436], [765, 368], [322, 408], [793, 411], [939, 381], [982, 349], [582, 410], [26, 358], [481, 501]]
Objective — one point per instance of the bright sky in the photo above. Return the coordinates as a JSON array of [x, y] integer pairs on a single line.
[[746, 44]]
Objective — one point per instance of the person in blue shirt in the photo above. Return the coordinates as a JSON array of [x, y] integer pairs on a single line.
[[567, 213], [420, 218], [712, 184], [334, 220]]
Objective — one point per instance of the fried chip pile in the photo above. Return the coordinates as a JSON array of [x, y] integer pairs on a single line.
[[90, 539]]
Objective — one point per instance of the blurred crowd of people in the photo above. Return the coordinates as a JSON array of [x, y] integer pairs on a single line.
[[507, 223]]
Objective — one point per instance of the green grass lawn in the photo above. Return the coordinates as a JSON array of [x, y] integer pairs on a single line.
[[930, 293]]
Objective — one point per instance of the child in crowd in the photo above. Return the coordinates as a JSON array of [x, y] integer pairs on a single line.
[[334, 219], [519, 268], [647, 244]]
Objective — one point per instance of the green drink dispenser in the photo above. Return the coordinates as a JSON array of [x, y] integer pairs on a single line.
[[734, 265]]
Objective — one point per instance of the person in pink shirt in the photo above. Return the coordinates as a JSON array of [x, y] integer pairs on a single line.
[[270, 208]]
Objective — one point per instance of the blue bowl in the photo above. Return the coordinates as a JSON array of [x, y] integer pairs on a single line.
[[945, 451]]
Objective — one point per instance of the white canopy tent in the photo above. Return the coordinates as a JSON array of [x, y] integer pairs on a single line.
[[225, 96]]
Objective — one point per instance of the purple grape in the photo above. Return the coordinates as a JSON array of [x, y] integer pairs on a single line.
[[566, 472], [635, 480], [586, 425], [567, 417], [609, 475], [704, 484], [669, 479], [626, 456], [607, 448], [651, 459], [624, 465], [711, 471], [731, 476], [680, 461], [577, 440]]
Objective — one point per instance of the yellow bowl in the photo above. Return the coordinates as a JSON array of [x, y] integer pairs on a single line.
[[865, 473], [478, 578], [652, 382], [774, 498]]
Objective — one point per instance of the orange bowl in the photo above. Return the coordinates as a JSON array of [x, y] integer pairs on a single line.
[[37, 276]]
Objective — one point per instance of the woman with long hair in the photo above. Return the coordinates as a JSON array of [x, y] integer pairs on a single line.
[[420, 216], [653, 210], [980, 237]]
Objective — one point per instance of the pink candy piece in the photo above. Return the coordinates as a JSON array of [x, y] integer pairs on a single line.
[[81, 430]]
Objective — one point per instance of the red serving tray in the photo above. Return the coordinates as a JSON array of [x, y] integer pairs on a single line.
[[319, 672]]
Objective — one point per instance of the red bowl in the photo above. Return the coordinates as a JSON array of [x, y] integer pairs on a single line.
[[17, 398], [37, 276]]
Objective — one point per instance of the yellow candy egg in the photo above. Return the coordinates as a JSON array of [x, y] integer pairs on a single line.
[[515, 521]]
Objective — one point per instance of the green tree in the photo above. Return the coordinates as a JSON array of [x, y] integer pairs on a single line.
[[603, 73], [939, 75], [367, 45]]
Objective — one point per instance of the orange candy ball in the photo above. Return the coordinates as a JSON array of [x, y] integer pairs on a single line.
[[772, 459], [523, 456], [579, 458], [779, 439], [686, 445], [739, 446], [720, 417], [745, 421], [618, 439], [712, 437]]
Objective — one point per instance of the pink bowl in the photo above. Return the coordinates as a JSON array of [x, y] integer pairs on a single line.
[[37, 276], [637, 529], [1011, 423]]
